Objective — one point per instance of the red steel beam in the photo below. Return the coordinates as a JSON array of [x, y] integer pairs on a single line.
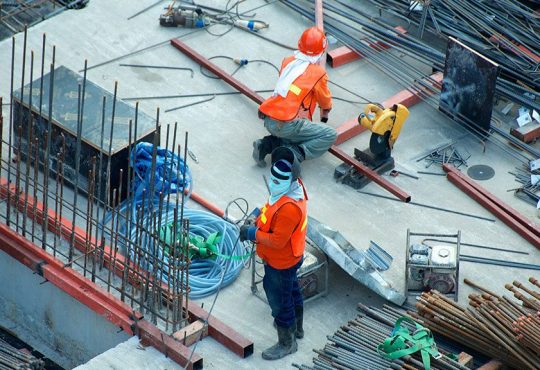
[[369, 173], [319, 23], [531, 226], [501, 210], [92, 296], [319, 20], [207, 204], [343, 54], [221, 332], [258, 99], [407, 97]]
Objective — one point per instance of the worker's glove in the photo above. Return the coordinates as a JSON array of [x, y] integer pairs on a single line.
[[248, 232], [250, 220], [324, 115]]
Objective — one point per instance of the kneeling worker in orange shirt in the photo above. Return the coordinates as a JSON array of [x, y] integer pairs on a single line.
[[288, 113], [279, 233]]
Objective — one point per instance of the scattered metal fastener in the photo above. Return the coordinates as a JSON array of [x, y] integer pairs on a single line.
[[448, 154], [395, 173], [193, 156]]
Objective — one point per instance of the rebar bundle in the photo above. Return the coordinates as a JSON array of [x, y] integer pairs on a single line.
[[13, 359], [505, 31], [16, 14], [354, 346], [530, 183], [493, 325]]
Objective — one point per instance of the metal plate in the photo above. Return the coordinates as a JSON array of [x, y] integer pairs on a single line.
[[481, 172]]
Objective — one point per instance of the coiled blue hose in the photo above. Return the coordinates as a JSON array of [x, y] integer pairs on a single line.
[[206, 276]]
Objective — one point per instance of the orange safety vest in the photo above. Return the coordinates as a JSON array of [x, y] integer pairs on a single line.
[[298, 237], [299, 101]]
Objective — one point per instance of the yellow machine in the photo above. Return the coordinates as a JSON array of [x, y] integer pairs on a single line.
[[385, 125]]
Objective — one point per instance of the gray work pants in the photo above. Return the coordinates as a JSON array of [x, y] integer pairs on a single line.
[[314, 138]]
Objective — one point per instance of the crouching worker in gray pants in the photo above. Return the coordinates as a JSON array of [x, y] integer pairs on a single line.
[[287, 114]]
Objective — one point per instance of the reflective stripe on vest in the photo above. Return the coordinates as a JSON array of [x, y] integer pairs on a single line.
[[298, 237], [298, 102]]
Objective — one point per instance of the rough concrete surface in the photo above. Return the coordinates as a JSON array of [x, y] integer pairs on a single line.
[[54, 323], [221, 134]]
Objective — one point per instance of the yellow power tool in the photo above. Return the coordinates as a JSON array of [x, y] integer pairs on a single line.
[[385, 125]]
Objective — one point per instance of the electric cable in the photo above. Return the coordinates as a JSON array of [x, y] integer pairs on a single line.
[[240, 62], [220, 286]]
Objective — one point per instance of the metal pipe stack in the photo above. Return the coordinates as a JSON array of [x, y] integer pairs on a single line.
[[493, 325], [12, 358], [354, 345]]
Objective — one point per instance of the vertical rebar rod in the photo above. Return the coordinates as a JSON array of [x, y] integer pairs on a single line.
[[8, 204], [60, 195], [46, 159], [76, 180], [28, 144], [35, 183], [100, 165], [117, 225], [18, 175]]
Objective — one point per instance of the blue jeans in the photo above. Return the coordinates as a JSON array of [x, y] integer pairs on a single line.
[[283, 293]]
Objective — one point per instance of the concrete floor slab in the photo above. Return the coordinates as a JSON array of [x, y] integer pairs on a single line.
[[221, 133]]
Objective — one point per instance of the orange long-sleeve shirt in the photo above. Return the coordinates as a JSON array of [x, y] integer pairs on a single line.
[[274, 246], [322, 95]]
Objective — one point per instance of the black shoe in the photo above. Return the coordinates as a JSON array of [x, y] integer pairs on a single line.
[[263, 147], [299, 312], [258, 153], [285, 346]]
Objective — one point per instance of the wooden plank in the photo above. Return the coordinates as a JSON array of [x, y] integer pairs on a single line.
[[465, 359], [191, 333]]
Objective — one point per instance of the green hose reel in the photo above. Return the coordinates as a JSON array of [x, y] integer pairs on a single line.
[[199, 247]]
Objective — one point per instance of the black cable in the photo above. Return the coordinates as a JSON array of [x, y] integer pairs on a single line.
[[243, 62]]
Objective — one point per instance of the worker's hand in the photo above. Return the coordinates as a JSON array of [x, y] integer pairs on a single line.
[[324, 115], [250, 220], [248, 232]]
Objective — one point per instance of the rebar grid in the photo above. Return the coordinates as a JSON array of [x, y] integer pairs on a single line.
[[82, 230]]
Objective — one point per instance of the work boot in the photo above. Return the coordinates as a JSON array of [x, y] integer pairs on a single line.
[[299, 332], [261, 148], [299, 312], [285, 346]]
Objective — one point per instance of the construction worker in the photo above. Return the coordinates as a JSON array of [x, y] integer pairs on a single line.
[[279, 232], [287, 114]]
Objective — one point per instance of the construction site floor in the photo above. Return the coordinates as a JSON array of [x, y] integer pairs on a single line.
[[221, 133]]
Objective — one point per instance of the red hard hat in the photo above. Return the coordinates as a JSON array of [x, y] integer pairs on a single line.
[[312, 42]]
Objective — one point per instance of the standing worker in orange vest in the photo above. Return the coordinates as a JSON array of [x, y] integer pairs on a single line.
[[279, 232], [288, 113]]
